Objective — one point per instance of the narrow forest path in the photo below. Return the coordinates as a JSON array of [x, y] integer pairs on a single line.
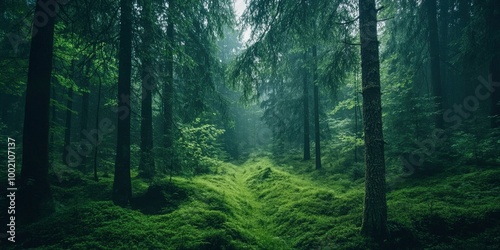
[[258, 221], [286, 210], [234, 183]]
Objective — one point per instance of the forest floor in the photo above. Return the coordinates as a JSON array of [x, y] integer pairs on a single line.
[[264, 204]]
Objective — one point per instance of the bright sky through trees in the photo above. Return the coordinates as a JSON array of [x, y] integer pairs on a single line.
[[239, 7]]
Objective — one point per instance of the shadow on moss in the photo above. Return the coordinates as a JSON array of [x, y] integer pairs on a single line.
[[160, 199]]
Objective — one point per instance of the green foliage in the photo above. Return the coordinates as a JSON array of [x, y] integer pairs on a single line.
[[344, 147], [408, 118], [472, 145], [197, 148], [264, 203], [341, 148]]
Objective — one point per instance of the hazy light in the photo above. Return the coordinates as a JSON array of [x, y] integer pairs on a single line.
[[239, 7]]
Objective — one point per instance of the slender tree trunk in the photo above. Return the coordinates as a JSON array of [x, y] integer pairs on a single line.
[[67, 129], [85, 111], [2, 12], [435, 60], [96, 150], [493, 17], [444, 6], [305, 99], [52, 123], [168, 90], [35, 198], [464, 10], [317, 143], [122, 190], [375, 206], [465, 76], [356, 111], [495, 96], [147, 163]]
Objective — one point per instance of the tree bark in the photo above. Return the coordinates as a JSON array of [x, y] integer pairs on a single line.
[[147, 163], [35, 198], [375, 207], [317, 142], [122, 190], [305, 99], [435, 60]]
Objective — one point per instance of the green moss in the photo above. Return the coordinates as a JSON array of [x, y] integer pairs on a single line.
[[447, 212], [261, 204]]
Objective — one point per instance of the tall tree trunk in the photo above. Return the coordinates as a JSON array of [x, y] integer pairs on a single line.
[[494, 28], [356, 120], [85, 110], [464, 9], [2, 12], [96, 150], [52, 123], [67, 129], [122, 190], [444, 7], [375, 205], [495, 96], [35, 198], [147, 163], [305, 100], [317, 143], [168, 90], [435, 60]]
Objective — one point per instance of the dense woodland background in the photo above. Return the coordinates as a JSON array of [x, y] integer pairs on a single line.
[[169, 124]]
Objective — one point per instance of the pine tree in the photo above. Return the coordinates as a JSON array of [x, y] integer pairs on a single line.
[[168, 89], [434, 52], [317, 142], [305, 103], [35, 198], [122, 188], [147, 162], [375, 205]]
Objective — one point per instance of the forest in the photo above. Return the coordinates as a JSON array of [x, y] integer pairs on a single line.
[[250, 124]]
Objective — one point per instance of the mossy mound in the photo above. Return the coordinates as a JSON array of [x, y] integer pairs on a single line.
[[160, 198], [451, 211], [261, 205], [306, 215]]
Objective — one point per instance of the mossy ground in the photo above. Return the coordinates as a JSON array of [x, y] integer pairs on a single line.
[[264, 204]]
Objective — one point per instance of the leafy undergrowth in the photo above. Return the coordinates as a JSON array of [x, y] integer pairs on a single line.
[[264, 205]]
